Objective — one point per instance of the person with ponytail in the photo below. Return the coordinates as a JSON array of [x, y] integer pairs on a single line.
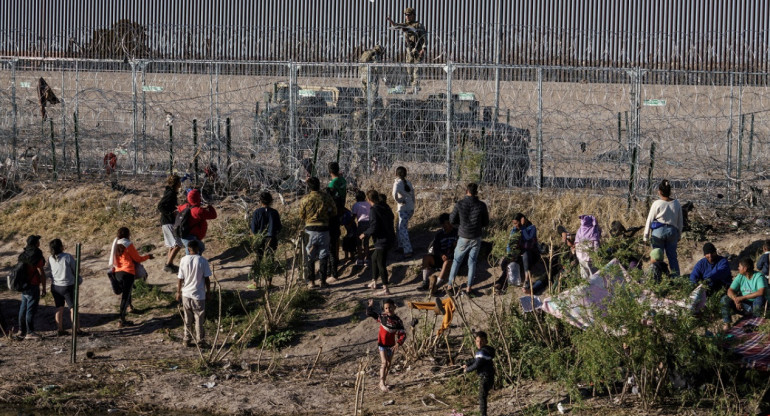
[[403, 193], [664, 225]]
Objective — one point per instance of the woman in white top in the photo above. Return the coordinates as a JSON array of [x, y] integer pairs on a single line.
[[664, 225], [403, 193]]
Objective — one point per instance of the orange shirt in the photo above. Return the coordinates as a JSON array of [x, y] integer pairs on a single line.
[[125, 262]]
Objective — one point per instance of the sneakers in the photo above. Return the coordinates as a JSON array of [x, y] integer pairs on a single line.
[[124, 324], [324, 285], [423, 287], [170, 268], [33, 336]]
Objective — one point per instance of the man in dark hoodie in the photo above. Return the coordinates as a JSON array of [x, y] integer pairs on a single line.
[[483, 365], [33, 260], [199, 216], [471, 215], [167, 207], [384, 235]]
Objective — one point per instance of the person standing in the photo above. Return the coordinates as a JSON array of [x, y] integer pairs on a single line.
[[361, 210], [123, 257], [470, 215], [483, 365], [381, 231], [33, 260], [414, 39], [587, 240], [266, 221], [338, 189], [370, 56], [315, 209], [194, 282], [403, 193], [390, 336], [199, 216], [63, 271], [168, 210], [664, 225]]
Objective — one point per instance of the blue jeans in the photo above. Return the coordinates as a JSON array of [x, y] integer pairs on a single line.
[[317, 248], [403, 230], [186, 241], [465, 246], [752, 307], [30, 298], [666, 238]]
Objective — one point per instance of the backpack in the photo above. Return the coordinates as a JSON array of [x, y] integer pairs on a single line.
[[182, 221], [17, 279]]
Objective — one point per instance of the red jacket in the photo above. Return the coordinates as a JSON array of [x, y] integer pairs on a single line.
[[198, 214]]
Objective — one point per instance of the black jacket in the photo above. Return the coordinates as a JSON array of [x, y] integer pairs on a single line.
[[483, 364], [381, 227], [471, 215], [168, 206]]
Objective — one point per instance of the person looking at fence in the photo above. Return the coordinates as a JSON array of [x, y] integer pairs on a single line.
[[403, 193], [63, 270], [124, 257], [33, 260], [266, 222], [199, 216], [338, 189], [381, 231], [414, 39], [370, 56], [315, 209], [664, 225], [746, 295], [361, 210], [168, 209], [470, 215], [193, 284]]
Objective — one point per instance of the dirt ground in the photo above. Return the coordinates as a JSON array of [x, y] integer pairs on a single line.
[[145, 369]]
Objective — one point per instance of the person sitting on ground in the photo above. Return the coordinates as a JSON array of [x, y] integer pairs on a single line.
[[483, 365], [522, 248], [713, 270], [194, 282], [199, 216], [63, 271], [747, 294], [658, 268], [384, 235], [389, 338], [439, 255], [361, 211], [763, 264], [587, 240], [168, 210]]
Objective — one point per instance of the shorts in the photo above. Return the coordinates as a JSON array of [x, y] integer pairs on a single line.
[[169, 239], [62, 295], [388, 350]]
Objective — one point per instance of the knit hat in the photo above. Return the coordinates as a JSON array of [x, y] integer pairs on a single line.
[[656, 254], [709, 248], [194, 197]]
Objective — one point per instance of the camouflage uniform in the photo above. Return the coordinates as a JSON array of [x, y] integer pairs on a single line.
[[373, 55], [414, 37]]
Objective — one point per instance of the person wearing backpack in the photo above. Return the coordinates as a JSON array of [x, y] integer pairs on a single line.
[[33, 260], [197, 223], [124, 258], [167, 207], [63, 271]]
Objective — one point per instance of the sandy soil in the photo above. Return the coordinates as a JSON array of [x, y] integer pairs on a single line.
[[145, 368]]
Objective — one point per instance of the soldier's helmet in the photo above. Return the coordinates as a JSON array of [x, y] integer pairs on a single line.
[[409, 11], [379, 49]]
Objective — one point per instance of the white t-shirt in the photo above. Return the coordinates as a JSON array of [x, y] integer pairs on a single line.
[[193, 270]]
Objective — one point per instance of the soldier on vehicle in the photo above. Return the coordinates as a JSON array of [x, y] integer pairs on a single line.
[[414, 37], [374, 55]]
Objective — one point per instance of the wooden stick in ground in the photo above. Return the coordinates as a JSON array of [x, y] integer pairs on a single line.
[[310, 374]]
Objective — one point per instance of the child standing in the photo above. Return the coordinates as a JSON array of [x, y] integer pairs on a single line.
[[482, 364], [266, 221], [361, 211], [193, 284], [391, 335], [763, 264]]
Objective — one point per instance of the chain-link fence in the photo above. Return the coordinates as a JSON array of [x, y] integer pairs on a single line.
[[617, 130]]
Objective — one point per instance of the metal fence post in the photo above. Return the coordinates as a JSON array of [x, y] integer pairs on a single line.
[[14, 110], [449, 68], [77, 143], [75, 307], [540, 128], [211, 113], [229, 146], [63, 123], [170, 149], [216, 107], [730, 141], [751, 142], [196, 151], [133, 102], [143, 66], [53, 149], [369, 104], [292, 114]]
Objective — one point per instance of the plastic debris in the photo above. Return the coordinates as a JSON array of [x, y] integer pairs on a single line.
[[389, 402], [209, 385], [560, 408], [50, 387]]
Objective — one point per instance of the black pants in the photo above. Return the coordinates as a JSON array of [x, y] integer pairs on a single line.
[[127, 281], [379, 261], [485, 386]]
